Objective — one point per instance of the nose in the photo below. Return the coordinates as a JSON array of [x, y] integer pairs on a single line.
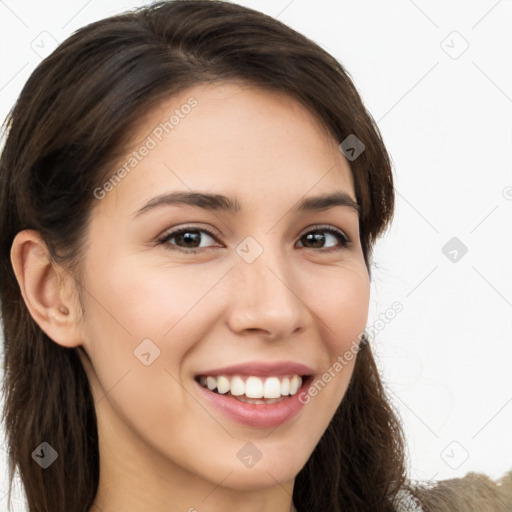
[[265, 296]]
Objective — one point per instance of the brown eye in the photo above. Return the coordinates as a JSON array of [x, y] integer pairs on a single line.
[[316, 238], [186, 239]]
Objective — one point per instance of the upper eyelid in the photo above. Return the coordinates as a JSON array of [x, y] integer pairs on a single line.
[[209, 231]]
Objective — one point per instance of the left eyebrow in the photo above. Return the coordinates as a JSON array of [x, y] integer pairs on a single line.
[[319, 203], [209, 201]]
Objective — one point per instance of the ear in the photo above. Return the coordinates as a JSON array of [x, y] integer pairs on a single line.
[[48, 291]]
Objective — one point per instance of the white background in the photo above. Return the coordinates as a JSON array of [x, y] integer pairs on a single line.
[[445, 113]]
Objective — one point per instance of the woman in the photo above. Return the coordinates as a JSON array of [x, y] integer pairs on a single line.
[[144, 372]]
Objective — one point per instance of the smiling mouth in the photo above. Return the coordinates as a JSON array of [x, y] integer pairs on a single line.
[[257, 402], [254, 389]]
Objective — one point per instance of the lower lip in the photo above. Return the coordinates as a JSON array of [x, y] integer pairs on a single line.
[[257, 415]]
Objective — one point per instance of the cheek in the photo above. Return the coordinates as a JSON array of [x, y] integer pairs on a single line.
[[141, 302], [342, 303], [343, 310], [145, 321], [141, 326]]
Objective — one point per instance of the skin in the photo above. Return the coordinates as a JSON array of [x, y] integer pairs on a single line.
[[162, 447]]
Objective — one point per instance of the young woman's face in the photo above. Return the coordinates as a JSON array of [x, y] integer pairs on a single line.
[[273, 284]]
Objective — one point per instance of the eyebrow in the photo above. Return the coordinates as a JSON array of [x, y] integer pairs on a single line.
[[221, 202]]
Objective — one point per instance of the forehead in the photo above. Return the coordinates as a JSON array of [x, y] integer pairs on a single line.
[[234, 139]]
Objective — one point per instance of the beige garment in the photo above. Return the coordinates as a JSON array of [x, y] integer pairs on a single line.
[[407, 502]]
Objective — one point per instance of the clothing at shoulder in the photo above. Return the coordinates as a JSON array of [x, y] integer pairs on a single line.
[[406, 502]]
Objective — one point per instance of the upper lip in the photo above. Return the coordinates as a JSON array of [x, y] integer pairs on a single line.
[[261, 368]]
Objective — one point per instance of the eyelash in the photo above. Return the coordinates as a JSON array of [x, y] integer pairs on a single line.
[[343, 239]]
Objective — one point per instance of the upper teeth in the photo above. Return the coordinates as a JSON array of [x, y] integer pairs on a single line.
[[253, 387]]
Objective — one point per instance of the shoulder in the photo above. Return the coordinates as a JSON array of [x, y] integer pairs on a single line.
[[406, 502]]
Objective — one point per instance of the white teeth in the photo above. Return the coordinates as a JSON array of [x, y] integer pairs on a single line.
[[237, 386], [253, 387], [285, 386], [211, 382], [295, 384], [272, 388], [222, 384]]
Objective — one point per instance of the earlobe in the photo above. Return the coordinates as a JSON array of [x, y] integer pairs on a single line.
[[45, 289]]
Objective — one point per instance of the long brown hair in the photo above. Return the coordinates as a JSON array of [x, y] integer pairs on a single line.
[[69, 124]]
